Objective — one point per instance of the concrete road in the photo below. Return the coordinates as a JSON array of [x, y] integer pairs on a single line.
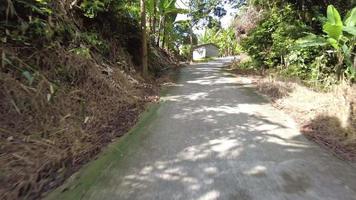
[[212, 138]]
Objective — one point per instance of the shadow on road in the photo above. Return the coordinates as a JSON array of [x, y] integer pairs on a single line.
[[214, 139]]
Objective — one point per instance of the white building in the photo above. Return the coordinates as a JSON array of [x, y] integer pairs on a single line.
[[205, 51]]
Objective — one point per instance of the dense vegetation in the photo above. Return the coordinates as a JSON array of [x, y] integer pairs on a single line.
[[304, 39], [224, 38]]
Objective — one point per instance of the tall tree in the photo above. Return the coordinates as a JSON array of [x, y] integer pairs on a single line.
[[144, 39]]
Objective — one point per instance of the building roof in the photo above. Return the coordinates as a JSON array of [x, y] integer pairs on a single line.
[[207, 44]]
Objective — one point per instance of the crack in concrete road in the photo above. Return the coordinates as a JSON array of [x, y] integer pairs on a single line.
[[212, 138]]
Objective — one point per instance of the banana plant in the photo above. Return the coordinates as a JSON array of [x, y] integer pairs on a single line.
[[341, 35], [162, 15]]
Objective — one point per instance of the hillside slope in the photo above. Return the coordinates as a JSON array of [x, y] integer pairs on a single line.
[[69, 85]]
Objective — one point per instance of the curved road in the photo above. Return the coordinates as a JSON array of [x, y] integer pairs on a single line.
[[212, 138]]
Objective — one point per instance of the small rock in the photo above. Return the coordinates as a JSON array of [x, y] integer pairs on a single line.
[[10, 139]]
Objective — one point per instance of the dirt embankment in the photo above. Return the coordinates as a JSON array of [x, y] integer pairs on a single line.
[[328, 118], [52, 126], [65, 97]]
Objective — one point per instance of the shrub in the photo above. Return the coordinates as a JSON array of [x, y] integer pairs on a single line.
[[340, 38], [185, 51], [92, 7], [273, 38], [312, 65], [276, 43]]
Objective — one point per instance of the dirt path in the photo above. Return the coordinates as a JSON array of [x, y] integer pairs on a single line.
[[213, 139]]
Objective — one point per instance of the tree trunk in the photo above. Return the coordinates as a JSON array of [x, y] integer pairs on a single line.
[[150, 20], [144, 39], [191, 44], [154, 17], [159, 29], [340, 58], [164, 33]]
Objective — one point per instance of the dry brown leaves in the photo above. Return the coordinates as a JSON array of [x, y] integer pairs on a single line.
[[50, 128]]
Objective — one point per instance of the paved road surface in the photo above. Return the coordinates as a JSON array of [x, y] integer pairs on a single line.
[[212, 138]]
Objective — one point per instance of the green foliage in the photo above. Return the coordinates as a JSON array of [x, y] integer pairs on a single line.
[[185, 50], [351, 18], [82, 51], [306, 8], [279, 42], [224, 38], [41, 7], [92, 7], [168, 13], [333, 26], [30, 23], [310, 64], [340, 37], [94, 41], [182, 31], [273, 38]]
